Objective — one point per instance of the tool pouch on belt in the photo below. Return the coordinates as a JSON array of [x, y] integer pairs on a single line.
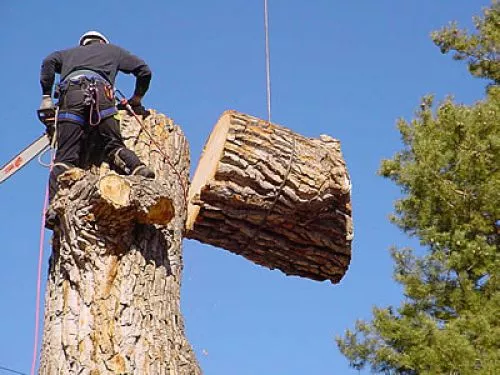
[[109, 92]]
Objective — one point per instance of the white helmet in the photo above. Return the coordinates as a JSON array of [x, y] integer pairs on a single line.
[[89, 35]]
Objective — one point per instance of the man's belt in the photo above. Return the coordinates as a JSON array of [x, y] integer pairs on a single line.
[[78, 78]]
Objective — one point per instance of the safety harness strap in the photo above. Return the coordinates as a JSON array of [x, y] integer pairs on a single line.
[[108, 112], [81, 120], [72, 117]]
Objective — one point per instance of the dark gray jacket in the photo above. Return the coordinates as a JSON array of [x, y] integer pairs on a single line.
[[105, 59]]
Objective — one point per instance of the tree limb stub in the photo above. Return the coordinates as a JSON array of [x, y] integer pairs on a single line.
[[115, 197], [150, 201], [273, 196]]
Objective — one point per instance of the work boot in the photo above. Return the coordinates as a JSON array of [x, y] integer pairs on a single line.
[[143, 171], [51, 219]]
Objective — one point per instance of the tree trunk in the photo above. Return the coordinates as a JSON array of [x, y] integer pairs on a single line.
[[275, 197], [112, 303]]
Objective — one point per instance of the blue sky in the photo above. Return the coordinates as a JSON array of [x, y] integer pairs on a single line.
[[344, 68]]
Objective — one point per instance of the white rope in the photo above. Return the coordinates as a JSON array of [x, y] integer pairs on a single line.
[[268, 70]]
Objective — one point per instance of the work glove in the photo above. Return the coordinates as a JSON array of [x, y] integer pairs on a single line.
[[136, 106], [140, 110], [47, 102], [46, 113]]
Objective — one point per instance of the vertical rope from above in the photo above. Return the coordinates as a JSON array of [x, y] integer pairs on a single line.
[[268, 63]]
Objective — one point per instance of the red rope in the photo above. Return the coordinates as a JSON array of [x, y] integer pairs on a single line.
[[39, 283], [167, 159]]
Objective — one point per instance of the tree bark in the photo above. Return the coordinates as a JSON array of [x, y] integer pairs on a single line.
[[112, 302], [273, 196]]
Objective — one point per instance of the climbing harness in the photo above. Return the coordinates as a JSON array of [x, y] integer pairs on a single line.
[[81, 120], [91, 100], [93, 86]]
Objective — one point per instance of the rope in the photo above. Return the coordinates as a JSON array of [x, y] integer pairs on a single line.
[[39, 282], [93, 92], [268, 61], [40, 255], [41, 162], [283, 183], [165, 156], [256, 233], [12, 371]]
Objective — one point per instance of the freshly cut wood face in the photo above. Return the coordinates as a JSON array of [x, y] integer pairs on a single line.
[[115, 189], [207, 166], [273, 196]]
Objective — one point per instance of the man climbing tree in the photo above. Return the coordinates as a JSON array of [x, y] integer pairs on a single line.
[[87, 100], [448, 323]]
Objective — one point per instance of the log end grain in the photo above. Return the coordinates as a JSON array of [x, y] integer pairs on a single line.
[[207, 165]]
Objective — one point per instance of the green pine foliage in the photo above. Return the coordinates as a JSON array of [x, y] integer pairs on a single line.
[[448, 171], [480, 50]]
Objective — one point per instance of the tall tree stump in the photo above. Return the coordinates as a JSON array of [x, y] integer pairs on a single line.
[[273, 196], [112, 302]]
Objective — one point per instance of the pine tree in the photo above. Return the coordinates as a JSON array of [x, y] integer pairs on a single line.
[[448, 172]]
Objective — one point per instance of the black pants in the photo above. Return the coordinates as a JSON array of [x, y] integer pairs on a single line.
[[75, 139]]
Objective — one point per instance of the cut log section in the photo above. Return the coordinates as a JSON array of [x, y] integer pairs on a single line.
[[116, 200], [273, 196], [151, 202]]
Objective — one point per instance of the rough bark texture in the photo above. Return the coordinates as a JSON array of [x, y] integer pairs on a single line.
[[275, 197], [113, 294]]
